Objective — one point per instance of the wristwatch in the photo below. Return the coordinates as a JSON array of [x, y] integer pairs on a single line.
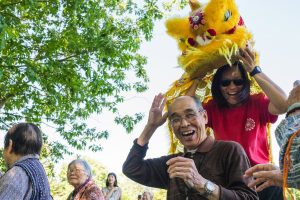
[[256, 70], [209, 188]]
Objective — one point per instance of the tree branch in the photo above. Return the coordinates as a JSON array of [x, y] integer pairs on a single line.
[[49, 125], [66, 58], [18, 2], [15, 115], [9, 66], [11, 4], [3, 122], [11, 15], [5, 99]]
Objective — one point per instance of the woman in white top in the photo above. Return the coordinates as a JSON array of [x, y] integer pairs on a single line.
[[112, 191]]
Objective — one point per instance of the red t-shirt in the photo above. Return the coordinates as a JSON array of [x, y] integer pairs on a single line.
[[245, 124]]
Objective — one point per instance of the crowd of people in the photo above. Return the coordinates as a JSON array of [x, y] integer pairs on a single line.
[[26, 178], [235, 163], [232, 164], [231, 99], [211, 168]]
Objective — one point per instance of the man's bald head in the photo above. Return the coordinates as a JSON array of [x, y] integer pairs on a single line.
[[183, 98]]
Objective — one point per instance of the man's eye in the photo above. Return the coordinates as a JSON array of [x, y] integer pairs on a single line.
[[190, 115], [175, 120]]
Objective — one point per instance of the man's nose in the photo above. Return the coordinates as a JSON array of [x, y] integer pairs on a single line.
[[184, 122]]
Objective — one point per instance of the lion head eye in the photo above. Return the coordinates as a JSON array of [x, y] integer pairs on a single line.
[[227, 15]]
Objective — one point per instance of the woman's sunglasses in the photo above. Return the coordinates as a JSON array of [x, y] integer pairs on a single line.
[[237, 82]]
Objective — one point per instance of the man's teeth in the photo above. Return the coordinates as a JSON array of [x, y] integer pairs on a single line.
[[187, 133]]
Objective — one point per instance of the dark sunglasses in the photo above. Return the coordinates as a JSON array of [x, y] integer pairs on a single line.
[[237, 82]]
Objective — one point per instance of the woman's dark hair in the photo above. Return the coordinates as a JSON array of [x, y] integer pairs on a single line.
[[116, 181], [26, 139], [216, 85]]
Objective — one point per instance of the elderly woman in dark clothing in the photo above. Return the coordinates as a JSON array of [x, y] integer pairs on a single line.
[[26, 178], [80, 177]]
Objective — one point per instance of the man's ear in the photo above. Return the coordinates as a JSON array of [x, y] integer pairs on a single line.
[[9, 147], [205, 116]]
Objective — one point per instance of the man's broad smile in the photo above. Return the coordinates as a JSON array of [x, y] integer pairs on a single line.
[[187, 133]]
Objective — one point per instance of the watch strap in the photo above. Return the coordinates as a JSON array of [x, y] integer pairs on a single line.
[[207, 190], [256, 70]]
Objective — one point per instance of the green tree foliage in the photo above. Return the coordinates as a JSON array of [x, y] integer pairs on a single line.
[[159, 194], [131, 189], [61, 61], [292, 193], [170, 5], [59, 186], [2, 162]]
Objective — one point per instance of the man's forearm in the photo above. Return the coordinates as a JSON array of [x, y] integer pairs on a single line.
[[146, 135]]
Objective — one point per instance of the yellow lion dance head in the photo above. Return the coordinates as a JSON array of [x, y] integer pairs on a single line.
[[209, 37]]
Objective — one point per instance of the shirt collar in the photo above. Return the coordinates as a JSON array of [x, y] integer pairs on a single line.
[[205, 146]]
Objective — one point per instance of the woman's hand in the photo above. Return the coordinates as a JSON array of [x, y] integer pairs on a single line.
[[247, 56], [265, 175]]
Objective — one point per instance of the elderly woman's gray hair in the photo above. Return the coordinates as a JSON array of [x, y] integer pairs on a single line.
[[83, 163], [147, 194]]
